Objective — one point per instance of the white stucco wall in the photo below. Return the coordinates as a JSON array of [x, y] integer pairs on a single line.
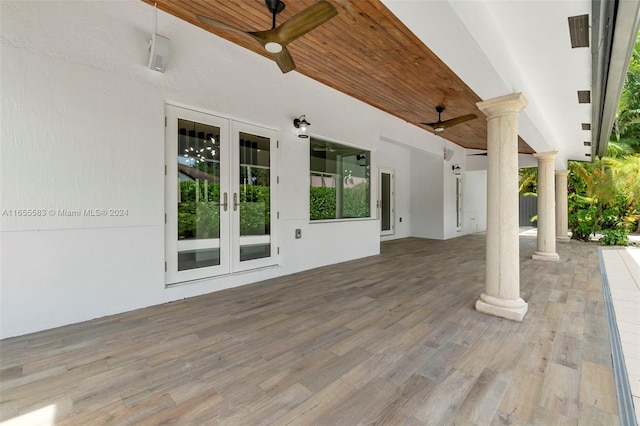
[[82, 126], [397, 157], [427, 196], [474, 201]]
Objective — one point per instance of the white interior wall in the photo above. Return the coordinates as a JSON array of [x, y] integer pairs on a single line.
[[474, 201], [398, 157], [427, 219], [82, 127]]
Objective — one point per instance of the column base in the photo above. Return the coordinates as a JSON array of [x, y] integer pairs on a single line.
[[564, 239], [515, 310], [549, 257]]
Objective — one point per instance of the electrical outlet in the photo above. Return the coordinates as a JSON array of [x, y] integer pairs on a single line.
[[298, 233]]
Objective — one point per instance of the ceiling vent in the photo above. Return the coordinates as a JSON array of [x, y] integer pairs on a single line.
[[579, 30], [584, 96], [586, 126]]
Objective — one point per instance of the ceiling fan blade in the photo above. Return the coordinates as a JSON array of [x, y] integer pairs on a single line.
[[305, 21], [213, 23], [276, 39], [218, 24], [458, 120], [432, 124], [284, 61]]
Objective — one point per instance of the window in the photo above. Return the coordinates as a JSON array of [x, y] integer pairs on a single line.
[[340, 177]]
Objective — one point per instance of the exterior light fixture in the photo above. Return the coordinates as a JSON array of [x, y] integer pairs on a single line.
[[302, 125]]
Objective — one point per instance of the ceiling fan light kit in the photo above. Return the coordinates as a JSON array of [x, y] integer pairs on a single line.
[[273, 47], [276, 39]]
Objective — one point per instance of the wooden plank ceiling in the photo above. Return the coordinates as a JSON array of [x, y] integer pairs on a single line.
[[364, 52]]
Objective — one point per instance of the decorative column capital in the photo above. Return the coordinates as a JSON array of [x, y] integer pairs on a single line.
[[508, 104], [548, 156], [562, 173]]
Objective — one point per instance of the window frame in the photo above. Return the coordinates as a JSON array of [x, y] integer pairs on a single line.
[[371, 180]]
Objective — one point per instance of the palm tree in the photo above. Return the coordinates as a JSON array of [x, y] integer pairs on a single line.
[[604, 195]]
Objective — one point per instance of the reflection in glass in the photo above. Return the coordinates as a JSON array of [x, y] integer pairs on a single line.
[[340, 177], [198, 195], [255, 195], [386, 201]]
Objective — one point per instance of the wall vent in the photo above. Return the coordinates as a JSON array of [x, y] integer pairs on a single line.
[[587, 143], [584, 96], [586, 126], [579, 30]]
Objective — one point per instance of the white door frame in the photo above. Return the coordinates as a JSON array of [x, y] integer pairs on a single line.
[[237, 240], [392, 200], [230, 240]]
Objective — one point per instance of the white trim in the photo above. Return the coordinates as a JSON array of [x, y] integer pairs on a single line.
[[184, 245]]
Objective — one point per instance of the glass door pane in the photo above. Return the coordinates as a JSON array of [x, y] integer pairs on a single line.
[[386, 201], [254, 196], [459, 203], [199, 204], [253, 192]]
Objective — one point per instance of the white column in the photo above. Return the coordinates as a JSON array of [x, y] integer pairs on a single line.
[[562, 206], [502, 293], [546, 208]]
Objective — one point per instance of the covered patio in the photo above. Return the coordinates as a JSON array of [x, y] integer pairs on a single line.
[[387, 339]]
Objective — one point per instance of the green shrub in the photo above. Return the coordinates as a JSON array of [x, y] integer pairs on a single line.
[[583, 223], [356, 201], [614, 237], [255, 210], [322, 203], [201, 219]]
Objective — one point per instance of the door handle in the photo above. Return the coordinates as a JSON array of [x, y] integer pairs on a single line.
[[235, 201], [225, 203]]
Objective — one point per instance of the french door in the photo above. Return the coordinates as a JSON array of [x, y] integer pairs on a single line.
[[220, 198], [386, 200]]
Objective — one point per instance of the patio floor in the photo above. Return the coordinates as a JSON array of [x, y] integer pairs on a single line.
[[389, 339]]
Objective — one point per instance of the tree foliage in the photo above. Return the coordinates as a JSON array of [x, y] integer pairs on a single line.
[[604, 196]]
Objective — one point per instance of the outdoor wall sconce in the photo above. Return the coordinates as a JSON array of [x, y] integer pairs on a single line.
[[302, 125]]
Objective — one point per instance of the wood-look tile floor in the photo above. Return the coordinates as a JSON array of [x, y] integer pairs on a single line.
[[390, 339]]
